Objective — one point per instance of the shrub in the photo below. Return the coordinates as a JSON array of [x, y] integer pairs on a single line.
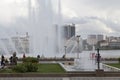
[[31, 67], [6, 71], [26, 67], [30, 59], [19, 68]]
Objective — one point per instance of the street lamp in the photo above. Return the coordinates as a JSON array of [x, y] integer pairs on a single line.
[[98, 59], [65, 50], [78, 41]]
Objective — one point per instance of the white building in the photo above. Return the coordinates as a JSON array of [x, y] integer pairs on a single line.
[[15, 44], [100, 37], [91, 39], [104, 43]]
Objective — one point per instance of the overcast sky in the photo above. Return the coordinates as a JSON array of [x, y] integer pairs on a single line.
[[93, 16], [90, 16]]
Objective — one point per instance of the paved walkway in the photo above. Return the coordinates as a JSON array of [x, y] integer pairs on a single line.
[[84, 63], [64, 78]]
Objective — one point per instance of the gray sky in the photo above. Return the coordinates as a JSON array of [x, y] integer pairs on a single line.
[[90, 16], [93, 16]]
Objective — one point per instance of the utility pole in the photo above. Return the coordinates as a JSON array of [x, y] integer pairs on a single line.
[[78, 41], [98, 59], [65, 50]]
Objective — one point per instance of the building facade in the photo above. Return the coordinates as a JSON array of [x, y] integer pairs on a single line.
[[94, 39], [15, 44], [69, 31], [100, 37], [91, 39]]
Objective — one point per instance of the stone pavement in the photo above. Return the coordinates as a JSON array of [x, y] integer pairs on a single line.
[[60, 78]]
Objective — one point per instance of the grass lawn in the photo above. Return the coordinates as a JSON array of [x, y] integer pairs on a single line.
[[115, 65], [42, 68], [50, 68]]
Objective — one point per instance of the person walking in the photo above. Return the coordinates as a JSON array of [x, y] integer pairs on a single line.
[[2, 61]]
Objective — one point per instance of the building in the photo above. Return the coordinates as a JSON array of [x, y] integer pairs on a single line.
[[110, 39], [94, 39], [100, 37], [113, 39], [114, 44], [104, 43], [19, 44], [110, 43], [69, 31], [91, 39]]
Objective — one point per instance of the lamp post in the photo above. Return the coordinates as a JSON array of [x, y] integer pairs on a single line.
[[99, 72], [98, 59], [65, 50], [78, 41]]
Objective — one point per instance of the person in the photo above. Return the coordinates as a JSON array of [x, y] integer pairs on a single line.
[[38, 56], [97, 59], [11, 60], [14, 59], [24, 55], [63, 56], [2, 61]]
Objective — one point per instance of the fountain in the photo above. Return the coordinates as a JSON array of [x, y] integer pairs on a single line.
[[45, 35], [82, 60], [44, 27]]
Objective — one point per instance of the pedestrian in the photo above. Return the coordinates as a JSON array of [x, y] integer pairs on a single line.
[[11, 60], [97, 58], [38, 56], [2, 61], [24, 55], [14, 59]]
